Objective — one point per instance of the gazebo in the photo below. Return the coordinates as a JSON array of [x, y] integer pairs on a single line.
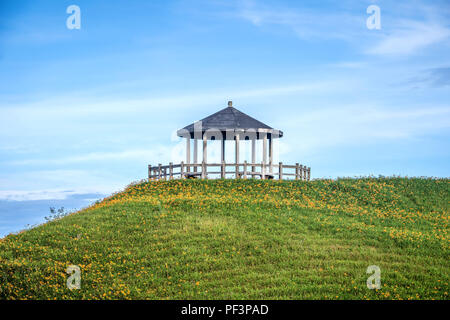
[[229, 124]]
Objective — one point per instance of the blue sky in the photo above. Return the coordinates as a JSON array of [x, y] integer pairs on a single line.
[[84, 111]]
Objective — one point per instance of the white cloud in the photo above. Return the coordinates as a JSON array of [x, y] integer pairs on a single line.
[[49, 194], [173, 152], [91, 105], [357, 126], [305, 23], [409, 38], [57, 184], [96, 156], [397, 36]]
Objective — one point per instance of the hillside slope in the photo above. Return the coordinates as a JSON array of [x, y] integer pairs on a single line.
[[242, 239]]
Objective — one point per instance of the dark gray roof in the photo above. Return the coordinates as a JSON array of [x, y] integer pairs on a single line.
[[230, 119]]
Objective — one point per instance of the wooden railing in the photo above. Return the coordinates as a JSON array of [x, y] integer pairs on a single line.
[[222, 170]]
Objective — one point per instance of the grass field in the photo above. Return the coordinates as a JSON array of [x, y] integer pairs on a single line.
[[242, 239]]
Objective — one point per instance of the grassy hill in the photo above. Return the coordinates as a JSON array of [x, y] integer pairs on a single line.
[[242, 239]]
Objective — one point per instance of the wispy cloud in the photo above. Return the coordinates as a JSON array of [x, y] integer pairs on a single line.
[[398, 36], [57, 183], [409, 37], [433, 77], [134, 154], [89, 105], [306, 23], [440, 77], [354, 125], [49, 194]]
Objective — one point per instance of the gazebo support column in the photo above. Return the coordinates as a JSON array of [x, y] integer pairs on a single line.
[[188, 153], [205, 153], [195, 153], [237, 155], [264, 149], [222, 150], [253, 153], [270, 155]]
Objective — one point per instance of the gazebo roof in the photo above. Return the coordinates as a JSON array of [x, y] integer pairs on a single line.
[[230, 119]]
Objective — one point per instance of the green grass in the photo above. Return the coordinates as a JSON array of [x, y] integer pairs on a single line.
[[242, 239]]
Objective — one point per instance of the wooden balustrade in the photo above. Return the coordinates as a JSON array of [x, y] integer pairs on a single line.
[[237, 170]]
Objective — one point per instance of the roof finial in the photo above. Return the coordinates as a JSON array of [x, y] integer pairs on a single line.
[[230, 104]]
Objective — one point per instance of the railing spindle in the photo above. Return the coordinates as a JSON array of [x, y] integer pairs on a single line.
[[263, 170], [245, 169], [280, 171], [204, 170], [222, 170], [182, 170], [159, 171]]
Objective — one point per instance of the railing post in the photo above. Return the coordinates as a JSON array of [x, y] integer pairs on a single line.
[[280, 171], [222, 170], [170, 171], [237, 170], [300, 172], [203, 170], [188, 153], [296, 171], [182, 170], [159, 171], [149, 171], [309, 173], [253, 154], [263, 171], [195, 153], [245, 169], [305, 172]]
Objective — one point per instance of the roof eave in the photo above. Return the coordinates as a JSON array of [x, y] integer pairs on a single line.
[[183, 133]]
